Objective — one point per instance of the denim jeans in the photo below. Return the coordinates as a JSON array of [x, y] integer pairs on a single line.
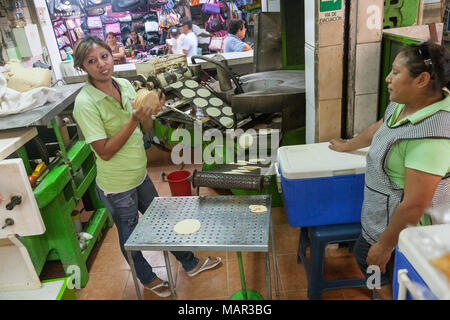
[[124, 208], [361, 250]]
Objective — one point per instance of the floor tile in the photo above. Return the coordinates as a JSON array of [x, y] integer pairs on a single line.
[[154, 173], [107, 285], [111, 236], [286, 238], [129, 292], [163, 189], [254, 274], [292, 275], [107, 257], [295, 295], [205, 285], [341, 268], [279, 216], [333, 295]]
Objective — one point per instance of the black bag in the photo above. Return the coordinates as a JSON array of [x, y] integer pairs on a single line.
[[125, 27], [129, 5], [95, 3], [151, 16], [152, 37]]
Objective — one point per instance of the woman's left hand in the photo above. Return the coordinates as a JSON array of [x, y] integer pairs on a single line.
[[379, 256]]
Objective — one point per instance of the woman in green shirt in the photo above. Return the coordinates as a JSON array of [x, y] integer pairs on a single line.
[[408, 163], [109, 124]]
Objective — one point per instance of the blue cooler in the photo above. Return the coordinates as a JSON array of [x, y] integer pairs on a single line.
[[321, 186], [418, 278]]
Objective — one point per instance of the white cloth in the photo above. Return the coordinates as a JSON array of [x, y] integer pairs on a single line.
[[176, 44], [190, 44], [12, 101], [197, 30]]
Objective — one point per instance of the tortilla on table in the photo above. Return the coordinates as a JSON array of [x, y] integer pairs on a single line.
[[187, 226]]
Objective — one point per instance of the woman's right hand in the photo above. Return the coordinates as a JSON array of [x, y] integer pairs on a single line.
[[339, 145], [141, 114]]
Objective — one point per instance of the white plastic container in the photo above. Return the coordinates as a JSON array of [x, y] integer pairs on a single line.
[[416, 246]]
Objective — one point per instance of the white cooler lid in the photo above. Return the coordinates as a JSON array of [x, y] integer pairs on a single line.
[[412, 245], [317, 160]]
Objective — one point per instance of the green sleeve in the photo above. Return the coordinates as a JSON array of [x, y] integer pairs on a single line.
[[428, 155]]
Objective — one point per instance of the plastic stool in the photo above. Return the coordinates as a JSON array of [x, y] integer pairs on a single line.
[[318, 238]]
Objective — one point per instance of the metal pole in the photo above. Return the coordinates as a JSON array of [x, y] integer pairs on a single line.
[[274, 257], [268, 284], [133, 272], [169, 276], [242, 276]]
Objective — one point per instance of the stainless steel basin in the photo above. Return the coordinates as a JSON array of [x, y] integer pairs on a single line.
[[270, 91]]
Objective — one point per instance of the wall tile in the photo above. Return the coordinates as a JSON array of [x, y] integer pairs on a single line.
[[367, 72], [366, 109]]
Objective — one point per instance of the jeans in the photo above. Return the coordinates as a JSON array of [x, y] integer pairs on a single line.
[[124, 208], [361, 250]]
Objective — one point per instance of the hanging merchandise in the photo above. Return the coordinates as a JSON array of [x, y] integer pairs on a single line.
[[137, 16], [113, 14], [244, 2], [107, 19], [151, 26], [95, 11], [126, 18], [152, 38], [158, 2], [215, 23], [217, 41], [95, 3], [94, 22], [137, 25], [64, 7], [98, 32], [235, 12], [169, 5], [224, 9], [169, 19], [112, 27], [129, 5], [191, 3], [151, 16], [211, 7]]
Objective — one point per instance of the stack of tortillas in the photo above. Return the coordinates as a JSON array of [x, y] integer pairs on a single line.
[[146, 99], [257, 209], [442, 264]]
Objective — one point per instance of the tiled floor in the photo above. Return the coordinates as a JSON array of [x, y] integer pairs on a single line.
[[110, 276]]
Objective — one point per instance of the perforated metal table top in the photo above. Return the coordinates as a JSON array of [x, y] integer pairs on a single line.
[[226, 224]]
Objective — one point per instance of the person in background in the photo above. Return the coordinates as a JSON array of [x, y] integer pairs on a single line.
[[117, 48], [189, 45], [236, 32], [408, 163], [103, 111], [202, 35], [175, 41], [136, 41]]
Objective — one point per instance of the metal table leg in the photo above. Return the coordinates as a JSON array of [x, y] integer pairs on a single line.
[[274, 257], [169, 275], [268, 284], [133, 272]]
